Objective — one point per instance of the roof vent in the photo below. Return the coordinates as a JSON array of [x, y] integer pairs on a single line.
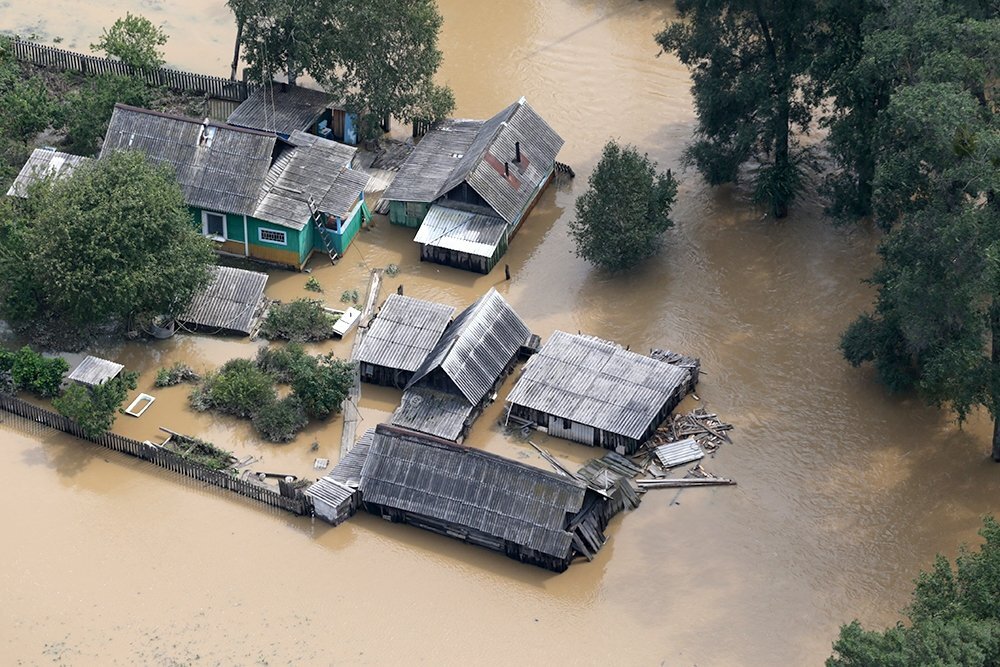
[[506, 169], [207, 135], [517, 152]]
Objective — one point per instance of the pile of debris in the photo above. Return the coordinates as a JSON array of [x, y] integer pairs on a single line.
[[700, 425]]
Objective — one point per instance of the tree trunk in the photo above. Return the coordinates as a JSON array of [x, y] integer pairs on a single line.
[[995, 358], [782, 165], [236, 49]]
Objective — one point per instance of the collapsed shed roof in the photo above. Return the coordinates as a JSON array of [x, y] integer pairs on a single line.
[[404, 332], [461, 231]]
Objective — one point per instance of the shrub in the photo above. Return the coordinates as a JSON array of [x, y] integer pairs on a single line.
[[31, 371], [200, 451], [133, 40], [94, 408], [322, 384], [281, 420], [281, 362], [88, 110], [313, 285], [238, 388], [300, 320], [168, 377]]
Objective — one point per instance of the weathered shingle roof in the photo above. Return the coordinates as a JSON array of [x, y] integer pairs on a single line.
[[463, 231], [93, 371], [404, 332], [231, 301], [598, 383], [281, 108], [433, 412], [44, 163], [447, 156], [467, 487], [222, 174], [477, 346]]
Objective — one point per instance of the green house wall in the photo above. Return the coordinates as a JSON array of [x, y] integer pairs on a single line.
[[398, 215], [348, 230]]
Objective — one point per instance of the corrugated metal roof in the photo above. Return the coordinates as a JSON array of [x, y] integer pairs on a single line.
[[404, 332], [598, 383], [44, 163], [477, 346], [281, 108], [678, 453], [470, 488], [348, 469], [231, 301], [463, 231], [433, 412], [223, 174], [94, 371], [432, 162]]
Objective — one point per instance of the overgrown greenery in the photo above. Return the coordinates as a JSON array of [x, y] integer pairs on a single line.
[[238, 388], [110, 241], [312, 285], [281, 420], [27, 370], [620, 219], [299, 320], [88, 109], [281, 362], [954, 617], [134, 40], [174, 375], [321, 384], [95, 408], [202, 452]]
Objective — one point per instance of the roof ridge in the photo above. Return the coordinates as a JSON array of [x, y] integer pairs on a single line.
[[194, 121]]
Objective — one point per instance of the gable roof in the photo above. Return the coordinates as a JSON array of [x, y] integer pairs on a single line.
[[500, 497], [476, 152], [43, 163], [281, 108], [404, 332], [462, 231], [598, 383], [433, 412], [222, 174], [477, 346], [231, 301]]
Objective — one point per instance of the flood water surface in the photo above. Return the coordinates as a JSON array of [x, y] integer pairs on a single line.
[[844, 492]]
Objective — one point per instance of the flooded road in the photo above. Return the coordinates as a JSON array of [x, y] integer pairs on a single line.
[[844, 493]]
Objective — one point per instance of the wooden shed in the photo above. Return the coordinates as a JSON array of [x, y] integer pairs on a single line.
[[470, 240], [284, 109], [232, 302], [336, 496], [593, 391], [93, 371], [399, 339]]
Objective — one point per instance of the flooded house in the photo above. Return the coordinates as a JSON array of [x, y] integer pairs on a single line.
[[44, 163], [469, 185], [463, 370], [401, 336], [596, 392], [254, 193], [286, 109]]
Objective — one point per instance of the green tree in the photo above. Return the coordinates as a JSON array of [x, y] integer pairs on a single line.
[[954, 617], [88, 109], [321, 384], [283, 36], [621, 217], [238, 388], [94, 408], [134, 40], [28, 370], [281, 420], [112, 240], [749, 62], [26, 108]]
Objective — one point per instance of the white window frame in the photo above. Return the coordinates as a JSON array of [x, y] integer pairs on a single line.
[[284, 236], [225, 226]]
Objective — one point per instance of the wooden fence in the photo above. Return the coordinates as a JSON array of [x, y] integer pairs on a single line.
[[294, 501], [202, 84]]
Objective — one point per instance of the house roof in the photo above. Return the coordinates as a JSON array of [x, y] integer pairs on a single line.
[[404, 332], [598, 383], [93, 371], [224, 173], [42, 163], [449, 155], [231, 301], [433, 412], [342, 482], [477, 346], [281, 108], [466, 487], [460, 230]]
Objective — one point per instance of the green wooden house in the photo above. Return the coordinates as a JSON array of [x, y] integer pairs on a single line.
[[254, 193]]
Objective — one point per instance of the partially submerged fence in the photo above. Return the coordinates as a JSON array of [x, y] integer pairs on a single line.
[[294, 502], [202, 84]]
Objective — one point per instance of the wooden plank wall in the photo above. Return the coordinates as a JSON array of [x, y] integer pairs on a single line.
[[299, 504], [54, 58]]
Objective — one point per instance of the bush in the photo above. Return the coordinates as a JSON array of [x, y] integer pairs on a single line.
[[281, 420], [301, 320], [281, 362], [238, 388], [202, 452], [313, 285], [88, 110], [168, 377], [94, 408], [322, 384], [133, 40], [30, 371]]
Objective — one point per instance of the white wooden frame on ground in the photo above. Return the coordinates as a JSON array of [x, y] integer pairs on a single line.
[[131, 409]]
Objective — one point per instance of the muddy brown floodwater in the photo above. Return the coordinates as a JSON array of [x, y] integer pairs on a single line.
[[844, 492]]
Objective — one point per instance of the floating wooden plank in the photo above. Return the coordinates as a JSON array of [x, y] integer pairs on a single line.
[[683, 482], [350, 404]]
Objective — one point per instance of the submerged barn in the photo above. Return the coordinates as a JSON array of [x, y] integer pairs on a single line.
[[472, 183], [399, 339], [590, 390], [463, 370]]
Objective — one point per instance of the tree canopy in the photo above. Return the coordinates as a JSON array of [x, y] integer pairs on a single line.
[[134, 40], [620, 219], [95, 408], [114, 239]]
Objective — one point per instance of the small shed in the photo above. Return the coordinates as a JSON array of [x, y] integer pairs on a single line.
[[232, 303], [593, 391], [283, 109], [473, 240], [399, 339], [93, 371], [44, 163], [439, 413], [480, 498], [335, 497]]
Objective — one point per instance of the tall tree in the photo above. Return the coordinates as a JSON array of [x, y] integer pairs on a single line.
[[134, 40], [283, 36], [748, 61]]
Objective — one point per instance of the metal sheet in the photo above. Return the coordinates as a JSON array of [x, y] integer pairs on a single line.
[[678, 453]]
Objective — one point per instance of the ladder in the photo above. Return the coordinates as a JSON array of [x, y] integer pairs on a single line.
[[318, 220]]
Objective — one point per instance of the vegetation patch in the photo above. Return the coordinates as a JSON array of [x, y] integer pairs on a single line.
[[282, 362], [179, 372], [281, 420], [300, 320], [95, 408], [27, 370], [312, 285], [238, 388], [321, 383], [349, 296], [201, 452]]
